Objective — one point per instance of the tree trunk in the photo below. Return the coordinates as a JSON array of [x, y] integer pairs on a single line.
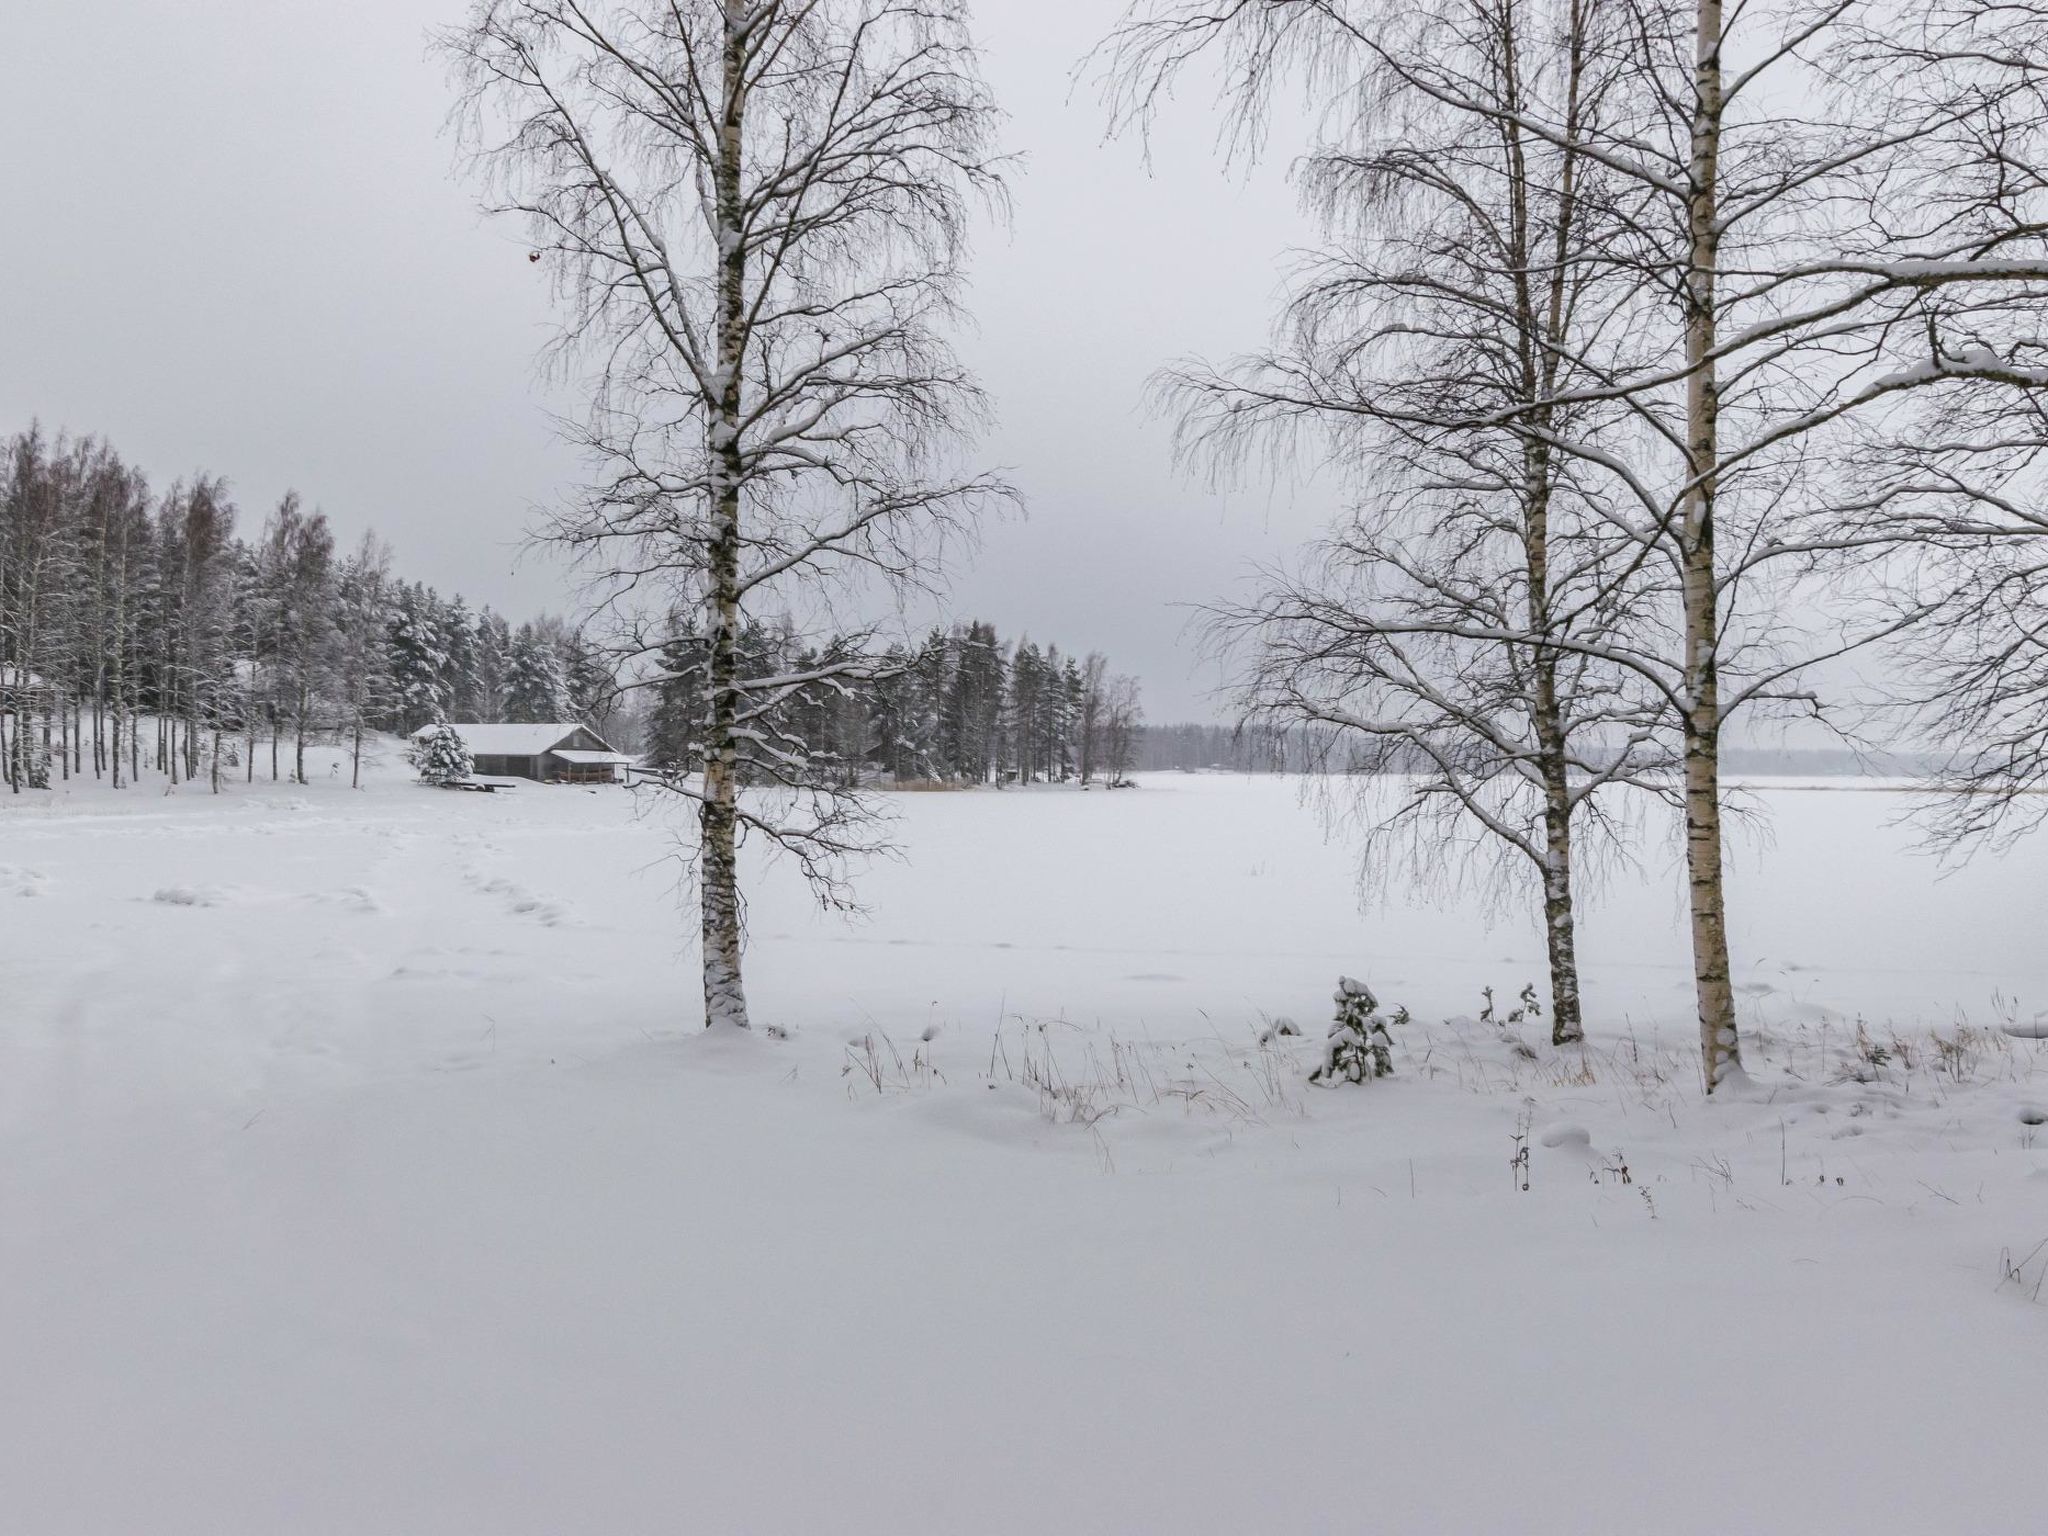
[[119, 702], [1560, 930], [1560, 920], [725, 1002], [249, 711], [1720, 1048]]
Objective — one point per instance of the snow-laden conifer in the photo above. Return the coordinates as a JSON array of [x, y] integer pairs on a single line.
[[1359, 1047], [442, 756]]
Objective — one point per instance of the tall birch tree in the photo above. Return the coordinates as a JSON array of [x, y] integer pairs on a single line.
[[1422, 354], [755, 213]]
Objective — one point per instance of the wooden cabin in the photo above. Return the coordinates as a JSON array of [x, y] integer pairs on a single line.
[[559, 753]]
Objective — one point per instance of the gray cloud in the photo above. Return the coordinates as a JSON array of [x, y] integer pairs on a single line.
[[236, 243]]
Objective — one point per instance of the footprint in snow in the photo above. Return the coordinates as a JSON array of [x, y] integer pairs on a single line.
[[524, 903], [17, 881]]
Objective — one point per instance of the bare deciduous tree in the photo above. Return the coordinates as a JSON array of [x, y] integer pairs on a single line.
[[1446, 639], [755, 213]]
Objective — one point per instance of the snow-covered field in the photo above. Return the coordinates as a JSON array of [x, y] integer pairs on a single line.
[[360, 1172]]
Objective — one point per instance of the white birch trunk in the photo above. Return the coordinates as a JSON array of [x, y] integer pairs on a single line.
[[1720, 1048], [725, 1000]]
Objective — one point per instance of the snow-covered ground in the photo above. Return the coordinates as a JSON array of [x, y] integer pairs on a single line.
[[360, 1173]]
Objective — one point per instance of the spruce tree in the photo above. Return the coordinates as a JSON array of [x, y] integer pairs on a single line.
[[417, 662], [533, 680], [442, 756]]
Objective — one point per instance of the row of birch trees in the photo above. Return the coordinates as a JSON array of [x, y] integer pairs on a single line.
[[1673, 355], [141, 634]]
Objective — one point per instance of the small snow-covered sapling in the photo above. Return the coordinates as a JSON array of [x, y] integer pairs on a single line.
[[1359, 1047]]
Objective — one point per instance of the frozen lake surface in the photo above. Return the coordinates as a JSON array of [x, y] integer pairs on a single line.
[[361, 1172]]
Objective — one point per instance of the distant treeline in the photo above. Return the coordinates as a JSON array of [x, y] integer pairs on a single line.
[[963, 706], [139, 633], [1264, 749], [1238, 749]]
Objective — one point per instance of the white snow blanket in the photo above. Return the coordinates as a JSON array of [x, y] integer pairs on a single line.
[[362, 1172]]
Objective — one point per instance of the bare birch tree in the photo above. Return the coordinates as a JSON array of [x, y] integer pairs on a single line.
[[1827, 262], [755, 213], [1442, 641]]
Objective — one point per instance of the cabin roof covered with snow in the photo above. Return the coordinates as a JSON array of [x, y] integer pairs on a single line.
[[509, 740]]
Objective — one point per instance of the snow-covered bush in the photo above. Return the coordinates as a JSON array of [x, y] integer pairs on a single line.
[[1359, 1047], [442, 756], [1280, 1026]]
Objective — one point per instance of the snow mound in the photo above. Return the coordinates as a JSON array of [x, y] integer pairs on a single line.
[[189, 896], [18, 881], [354, 898]]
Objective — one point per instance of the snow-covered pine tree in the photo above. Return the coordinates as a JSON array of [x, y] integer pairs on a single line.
[[925, 708], [1359, 1047], [675, 718], [974, 705], [363, 652], [590, 688], [461, 686], [493, 661], [1073, 707], [1022, 710], [417, 662], [442, 756], [889, 706], [533, 679]]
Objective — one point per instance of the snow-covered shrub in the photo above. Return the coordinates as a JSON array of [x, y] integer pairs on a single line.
[[1280, 1026], [1359, 1047], [442, 756]]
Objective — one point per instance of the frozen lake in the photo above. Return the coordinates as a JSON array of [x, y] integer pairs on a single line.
[[360, 1172]]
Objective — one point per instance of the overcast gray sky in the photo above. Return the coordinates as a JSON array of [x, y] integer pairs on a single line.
[[237, 242]]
